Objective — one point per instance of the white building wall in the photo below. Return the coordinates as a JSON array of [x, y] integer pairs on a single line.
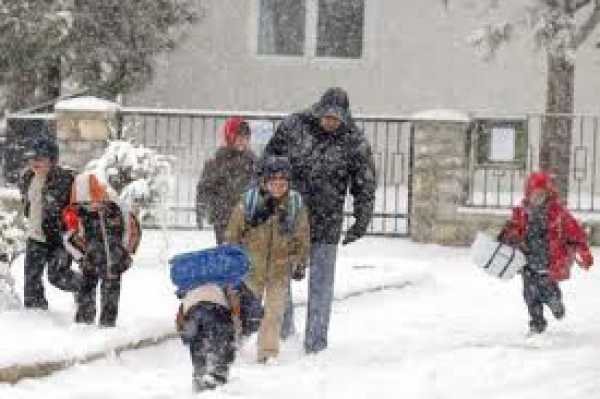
[[416, 57]]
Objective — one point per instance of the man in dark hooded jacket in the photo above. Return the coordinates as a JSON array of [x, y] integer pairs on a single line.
[[329, 156]]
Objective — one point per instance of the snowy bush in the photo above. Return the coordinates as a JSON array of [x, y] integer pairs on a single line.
[[138, 174], [553, 26], [12, 242]]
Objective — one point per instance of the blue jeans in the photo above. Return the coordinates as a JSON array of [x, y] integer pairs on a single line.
[[320, 296]]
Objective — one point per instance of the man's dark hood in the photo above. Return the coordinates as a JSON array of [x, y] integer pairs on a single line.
[[334, 101]]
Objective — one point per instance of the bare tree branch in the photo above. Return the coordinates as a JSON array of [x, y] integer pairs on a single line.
[[552, 3], [588, 27], [580, 4]]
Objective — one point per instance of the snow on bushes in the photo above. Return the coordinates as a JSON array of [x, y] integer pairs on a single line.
[[140, 175], [12, 242]]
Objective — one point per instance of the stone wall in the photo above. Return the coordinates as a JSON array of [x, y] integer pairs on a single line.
[[76, 154], [440, 179], [440, 185], [83, 126]]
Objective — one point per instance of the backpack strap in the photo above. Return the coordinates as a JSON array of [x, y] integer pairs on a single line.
[[233, 299], [251, 200], [294, 206]]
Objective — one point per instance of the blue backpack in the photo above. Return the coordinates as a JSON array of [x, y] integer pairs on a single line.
[[223, 265]]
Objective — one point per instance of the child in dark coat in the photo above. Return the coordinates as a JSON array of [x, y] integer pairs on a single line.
[[102, 238], [551, 239], [210, 319], [225, 177]]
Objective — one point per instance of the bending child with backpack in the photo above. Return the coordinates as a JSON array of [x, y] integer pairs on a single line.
[[271, 222], [216, 308]]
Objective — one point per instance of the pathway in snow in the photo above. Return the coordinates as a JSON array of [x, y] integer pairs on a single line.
[[453, 333]]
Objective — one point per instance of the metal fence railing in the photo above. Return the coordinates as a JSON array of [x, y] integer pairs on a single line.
[[499, 184], [192, 137]]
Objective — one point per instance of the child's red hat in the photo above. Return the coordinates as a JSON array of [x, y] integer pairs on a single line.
[[540, 181], [233, 128]]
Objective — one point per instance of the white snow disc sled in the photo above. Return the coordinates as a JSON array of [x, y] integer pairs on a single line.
[[499, 260]]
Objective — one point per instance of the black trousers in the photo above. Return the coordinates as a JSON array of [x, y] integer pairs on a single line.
[[210, 334], [60, 274], [539, 289], [110, 292]]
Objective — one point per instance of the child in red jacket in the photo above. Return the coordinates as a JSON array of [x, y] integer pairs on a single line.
[[551, 239]]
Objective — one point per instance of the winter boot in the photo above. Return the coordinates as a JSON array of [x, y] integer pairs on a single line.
[[201, 381], [110, 293], [537, 326], [41, 304], [557, 308], [220, 374], [85, 301]]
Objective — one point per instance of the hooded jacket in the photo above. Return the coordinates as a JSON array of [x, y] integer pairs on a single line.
[[325, 166], [224, 179], [565, 236], [273, 247], [55, 197]]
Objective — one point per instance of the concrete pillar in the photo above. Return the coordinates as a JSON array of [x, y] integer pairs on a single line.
[[440, 177], [83, 126]]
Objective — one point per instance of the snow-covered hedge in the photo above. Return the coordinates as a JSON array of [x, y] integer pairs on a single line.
[[12, 241], [140, 175]]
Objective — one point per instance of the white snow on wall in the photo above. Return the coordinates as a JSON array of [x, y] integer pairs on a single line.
[[448, 115], [86, 103], [7, 193]]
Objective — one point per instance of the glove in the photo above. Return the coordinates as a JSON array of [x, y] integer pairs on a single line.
[[70, 218], [263, 213], [299, 272], [353, 234], [585, 260]]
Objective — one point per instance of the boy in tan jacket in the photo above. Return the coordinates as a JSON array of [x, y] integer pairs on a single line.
[[271, 222]]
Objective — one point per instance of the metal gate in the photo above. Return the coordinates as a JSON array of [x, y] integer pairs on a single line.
[[192, 137], [500, 184]]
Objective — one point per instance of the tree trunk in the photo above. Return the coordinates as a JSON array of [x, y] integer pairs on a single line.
[[555, 151], [21, 93], [52, 80]]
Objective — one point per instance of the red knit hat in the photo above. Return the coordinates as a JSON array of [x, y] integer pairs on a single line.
[[233, 128], [539, 181]]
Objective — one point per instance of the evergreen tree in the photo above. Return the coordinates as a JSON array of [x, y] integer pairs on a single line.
[[103, 47]]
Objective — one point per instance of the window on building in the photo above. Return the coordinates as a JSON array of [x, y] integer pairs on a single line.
[[340, 28], [281, 27]]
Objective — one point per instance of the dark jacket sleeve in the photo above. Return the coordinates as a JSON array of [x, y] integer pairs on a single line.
[[62, 193], [205, 190], [23, 184], [58, 186], [513, 232], [278, 145], [362, 183], [577, 238]]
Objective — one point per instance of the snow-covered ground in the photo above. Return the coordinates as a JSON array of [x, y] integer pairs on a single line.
[[451, 332]]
